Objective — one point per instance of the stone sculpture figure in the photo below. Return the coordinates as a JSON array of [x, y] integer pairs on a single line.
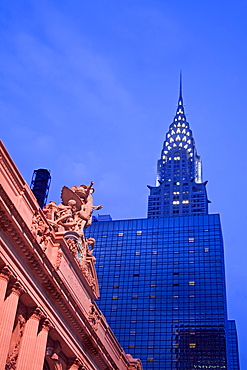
[[75, 211]]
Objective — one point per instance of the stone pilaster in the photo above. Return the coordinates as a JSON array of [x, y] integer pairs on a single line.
[[40, 348], [27, 353], [7, 321]]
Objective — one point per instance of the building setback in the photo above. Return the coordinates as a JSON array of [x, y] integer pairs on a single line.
[[48, 285], [162, 278]]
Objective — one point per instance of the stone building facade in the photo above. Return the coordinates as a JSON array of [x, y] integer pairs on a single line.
[[48, 285]]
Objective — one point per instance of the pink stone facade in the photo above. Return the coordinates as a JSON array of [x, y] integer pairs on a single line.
[[48, 316]]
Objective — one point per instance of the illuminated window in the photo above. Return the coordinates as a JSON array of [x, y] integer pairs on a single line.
[[120, 234], [206, 249], [139, 232], [150, 359], [152, 296], [152, 285], [185, 201], [104, 236], [138, 253], [191, 283], [131, 346], [175, 296], [116, 286], [115, 297], [135, 297], [192, 345], [191, 240]]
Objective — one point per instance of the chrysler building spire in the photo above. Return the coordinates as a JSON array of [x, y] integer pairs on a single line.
[[179, 187]]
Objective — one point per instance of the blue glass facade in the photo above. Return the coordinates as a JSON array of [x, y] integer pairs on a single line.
[[162, 289], [233, 357]]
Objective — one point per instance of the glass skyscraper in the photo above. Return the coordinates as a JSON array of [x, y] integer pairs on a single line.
[[162, 278], [179, 187]]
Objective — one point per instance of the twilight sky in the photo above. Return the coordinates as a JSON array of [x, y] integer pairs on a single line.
[[89, 88]]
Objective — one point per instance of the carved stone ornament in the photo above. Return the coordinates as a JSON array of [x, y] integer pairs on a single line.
[[40, 231], [16, 336], [94, 317]]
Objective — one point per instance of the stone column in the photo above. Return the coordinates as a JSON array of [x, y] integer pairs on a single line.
[[27, 353], [41, 346], [4, 279], [7, 321]]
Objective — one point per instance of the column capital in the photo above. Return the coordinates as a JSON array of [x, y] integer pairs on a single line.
[[5, 273], [46, 325], [17, 288], [36, 314], [76, 364]]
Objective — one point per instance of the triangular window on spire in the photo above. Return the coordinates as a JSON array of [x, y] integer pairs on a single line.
[[174, 145], [171, 140], [188, 133], [184, 138], [173, 132], [188, 141], [178, 138], [169, 147], [186, 146], [166, 144], [179, 124], [178, 131], [168, 135], [183, 125], [180, 144], [179, 118], [184, 131]]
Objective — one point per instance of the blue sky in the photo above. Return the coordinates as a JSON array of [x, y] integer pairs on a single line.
[[89, 88]]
